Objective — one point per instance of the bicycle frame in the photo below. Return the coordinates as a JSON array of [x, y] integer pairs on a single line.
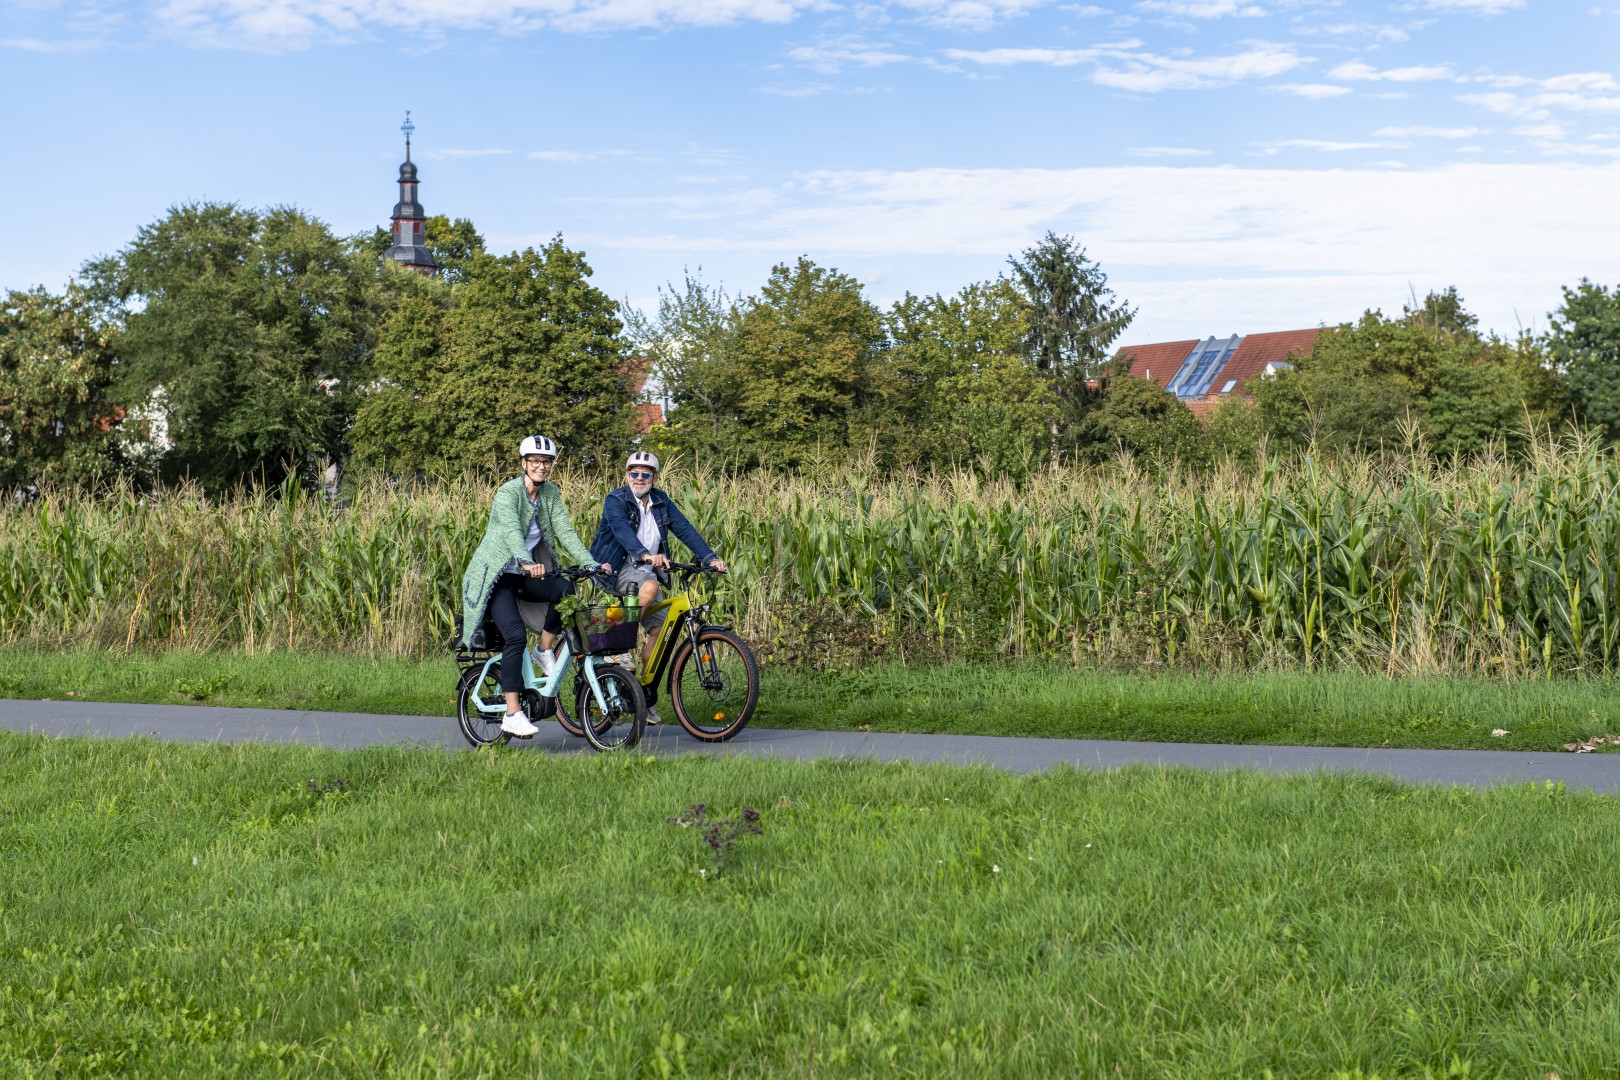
[[549, 686], [681, 617]]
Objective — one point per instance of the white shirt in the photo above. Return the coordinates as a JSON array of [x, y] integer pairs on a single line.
[[534, 523], [647, 532]]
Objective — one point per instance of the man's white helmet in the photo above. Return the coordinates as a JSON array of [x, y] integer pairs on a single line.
[[537, 444], [644, 459]]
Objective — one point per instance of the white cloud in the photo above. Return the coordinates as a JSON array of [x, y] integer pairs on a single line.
[[39, 45], [574, 157], [1427, 133], [1377, 31], [1148, 73], [1476, 7], [1007, 57], [966, 14], [1328, 146], [1202, 9], [454, 154], [1356, 71], [797, 91], [832, 57], [1586, 91], [1167, 151], [1314, 91], [279, 24], [1200, 246]]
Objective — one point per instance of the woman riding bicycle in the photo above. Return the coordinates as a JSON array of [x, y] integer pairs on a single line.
[[527, 523]]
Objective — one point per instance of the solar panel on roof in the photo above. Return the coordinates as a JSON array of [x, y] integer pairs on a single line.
[[1200, 368]]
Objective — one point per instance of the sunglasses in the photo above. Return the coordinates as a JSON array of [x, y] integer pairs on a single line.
[[640, 474]]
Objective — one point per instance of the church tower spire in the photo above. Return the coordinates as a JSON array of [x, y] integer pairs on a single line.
[[410, 220]]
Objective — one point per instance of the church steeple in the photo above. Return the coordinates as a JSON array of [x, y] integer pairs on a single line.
[[410, 239]]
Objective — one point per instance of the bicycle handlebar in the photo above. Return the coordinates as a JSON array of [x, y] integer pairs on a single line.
[[694, 568]]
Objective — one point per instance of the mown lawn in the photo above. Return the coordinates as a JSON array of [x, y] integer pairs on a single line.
[[174, 910], [1335, 709]]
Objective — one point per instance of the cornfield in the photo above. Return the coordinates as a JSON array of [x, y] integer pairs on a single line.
[[1400, 563]]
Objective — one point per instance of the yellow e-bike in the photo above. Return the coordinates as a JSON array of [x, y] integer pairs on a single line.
[[710, 672]]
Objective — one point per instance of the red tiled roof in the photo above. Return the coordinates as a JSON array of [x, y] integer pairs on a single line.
[[1157, 362], [1255, 351]]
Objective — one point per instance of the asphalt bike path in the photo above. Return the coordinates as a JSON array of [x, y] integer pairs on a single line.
[[204, 723]]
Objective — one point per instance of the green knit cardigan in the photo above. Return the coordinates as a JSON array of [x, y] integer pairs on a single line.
[[503, 547]]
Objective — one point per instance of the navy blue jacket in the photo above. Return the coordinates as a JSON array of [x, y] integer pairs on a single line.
[[616, 542]]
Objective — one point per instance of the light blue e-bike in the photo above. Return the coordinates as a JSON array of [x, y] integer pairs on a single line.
[[607, 701]]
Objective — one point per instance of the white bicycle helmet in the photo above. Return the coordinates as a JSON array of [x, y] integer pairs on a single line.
[[644, 459], [537, 444]]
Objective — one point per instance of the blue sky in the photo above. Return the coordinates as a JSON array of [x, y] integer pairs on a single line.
[[1234, 166]]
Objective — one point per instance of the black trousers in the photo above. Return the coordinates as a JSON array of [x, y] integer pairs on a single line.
[[503, 609]]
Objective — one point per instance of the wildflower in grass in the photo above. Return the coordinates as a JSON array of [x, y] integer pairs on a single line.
[[995, 869], [1499, 732]]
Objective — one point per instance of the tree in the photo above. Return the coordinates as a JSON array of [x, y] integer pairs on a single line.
[[1361, 385], [523, 344], [250, 331], [57, 423], [972, 395], [689, 349], [1584, 345], [805, 359], [1072, 320], [1137, 415]]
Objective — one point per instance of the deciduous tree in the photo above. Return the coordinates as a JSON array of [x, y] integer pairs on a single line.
[[249, 330], [57, 422], [1584, 344]]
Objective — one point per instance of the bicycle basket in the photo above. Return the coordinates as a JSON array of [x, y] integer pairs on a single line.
[[603, 627]]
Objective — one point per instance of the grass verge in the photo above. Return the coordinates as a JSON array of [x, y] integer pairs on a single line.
[[1343, 709], [252, 910]]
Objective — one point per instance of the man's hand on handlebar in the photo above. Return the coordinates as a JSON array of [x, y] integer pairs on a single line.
[[658, 562], [717, 564]]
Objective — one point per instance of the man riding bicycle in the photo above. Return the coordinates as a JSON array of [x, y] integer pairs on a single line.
[[634, 536], [527, 524]]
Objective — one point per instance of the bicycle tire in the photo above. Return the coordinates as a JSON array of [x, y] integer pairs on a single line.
[[613, 730], [714, 713], [480, 728]]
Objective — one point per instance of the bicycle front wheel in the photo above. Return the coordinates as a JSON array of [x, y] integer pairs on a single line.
[[714, 689], [619, 726], [478, 727]]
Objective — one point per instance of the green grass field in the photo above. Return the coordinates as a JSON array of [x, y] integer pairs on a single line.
[[171, 910], [1343, 709]]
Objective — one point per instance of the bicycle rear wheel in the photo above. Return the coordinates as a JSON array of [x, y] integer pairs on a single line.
[[478, 727], [620, 725], [714, 690]]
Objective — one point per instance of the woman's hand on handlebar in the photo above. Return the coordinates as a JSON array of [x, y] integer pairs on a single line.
[[533, 569]]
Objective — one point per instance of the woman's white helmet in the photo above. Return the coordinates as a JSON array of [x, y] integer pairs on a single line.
[[537, 444], [644, 459]]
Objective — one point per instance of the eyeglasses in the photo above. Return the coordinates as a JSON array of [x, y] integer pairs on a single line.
[[640, 474], [532, 460]]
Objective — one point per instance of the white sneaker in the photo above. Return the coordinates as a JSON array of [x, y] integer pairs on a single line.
[[623, 660], [547, 659], [517, 724], [653, 717]]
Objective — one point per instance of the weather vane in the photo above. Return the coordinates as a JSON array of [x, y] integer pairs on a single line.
[[407, 127]]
